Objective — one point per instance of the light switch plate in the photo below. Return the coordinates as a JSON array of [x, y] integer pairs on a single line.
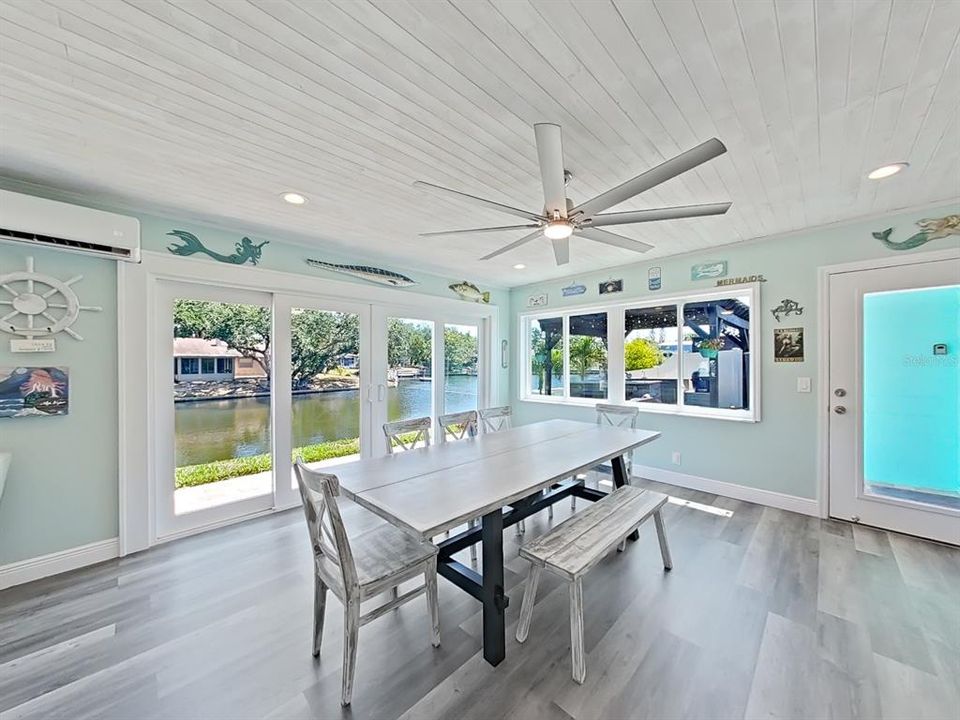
[[803, 384]]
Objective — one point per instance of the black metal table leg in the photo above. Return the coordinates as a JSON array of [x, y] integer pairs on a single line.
[[619, 480], [494, 600]]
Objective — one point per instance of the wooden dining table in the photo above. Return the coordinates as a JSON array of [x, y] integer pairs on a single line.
[[500, 477]]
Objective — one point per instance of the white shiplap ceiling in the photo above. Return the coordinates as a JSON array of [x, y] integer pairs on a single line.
[[210, 110]]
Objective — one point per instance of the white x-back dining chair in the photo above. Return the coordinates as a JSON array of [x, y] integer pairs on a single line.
[[496, 419], [460, 426], [356, 569], [407, 434], [624, 416], [457, 426]]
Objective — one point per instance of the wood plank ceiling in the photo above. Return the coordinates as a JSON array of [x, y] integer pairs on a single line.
[[210, 109]]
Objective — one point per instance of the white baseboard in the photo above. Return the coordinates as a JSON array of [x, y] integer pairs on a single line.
[[793, 503], [31, 569]]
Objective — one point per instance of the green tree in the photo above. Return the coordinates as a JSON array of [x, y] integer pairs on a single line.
[[244, 328], [460, 351], [640, 354], [586, 353], [317, 339]]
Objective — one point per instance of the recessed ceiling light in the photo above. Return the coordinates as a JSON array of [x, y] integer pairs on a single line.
[[294, 198], [519, 266], [885, 171]]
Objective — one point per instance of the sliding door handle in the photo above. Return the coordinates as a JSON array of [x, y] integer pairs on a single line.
[[381, 392]]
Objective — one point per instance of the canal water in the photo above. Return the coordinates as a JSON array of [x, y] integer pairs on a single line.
[[222, 429]]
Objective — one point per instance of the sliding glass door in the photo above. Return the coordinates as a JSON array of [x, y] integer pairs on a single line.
[[245, 382], [214, 454]]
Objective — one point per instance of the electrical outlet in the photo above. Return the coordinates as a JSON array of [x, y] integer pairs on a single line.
[[676, 458], [803, 384]]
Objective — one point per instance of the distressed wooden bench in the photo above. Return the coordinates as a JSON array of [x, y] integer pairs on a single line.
[[572, 548]]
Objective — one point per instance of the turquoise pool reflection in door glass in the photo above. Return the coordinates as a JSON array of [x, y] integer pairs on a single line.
[[911, 396]]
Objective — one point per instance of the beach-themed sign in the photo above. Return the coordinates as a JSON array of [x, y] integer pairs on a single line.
[[930, 229], [653, 278], [469, 291], [708, 271], [365, 272], [33, 305], [786, 308], [538, 300], [788, 345], [573, 290], [34, 391], [611, 286], [245, 250], [741, 280]]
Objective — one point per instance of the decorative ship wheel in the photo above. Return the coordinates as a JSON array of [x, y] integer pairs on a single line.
[[41, 305]]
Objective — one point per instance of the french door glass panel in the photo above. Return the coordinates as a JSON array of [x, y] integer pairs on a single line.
[[409, 368], [911, 395], [461, 364], [213, 440], [326, 403]]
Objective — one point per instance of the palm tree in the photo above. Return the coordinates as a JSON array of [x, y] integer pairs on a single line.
[[586, 353]]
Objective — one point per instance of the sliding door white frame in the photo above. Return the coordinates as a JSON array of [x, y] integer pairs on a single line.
[[137, 286]]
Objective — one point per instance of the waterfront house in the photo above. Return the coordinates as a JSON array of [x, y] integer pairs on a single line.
[[201, 359]]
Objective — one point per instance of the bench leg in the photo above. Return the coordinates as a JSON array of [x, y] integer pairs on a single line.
[[433, 601], [576, 632], [662, 537], [529, 598], [621, 478]]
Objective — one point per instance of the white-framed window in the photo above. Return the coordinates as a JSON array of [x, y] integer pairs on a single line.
[[208, 366], [189, 366], [695, 353], [224, 366]]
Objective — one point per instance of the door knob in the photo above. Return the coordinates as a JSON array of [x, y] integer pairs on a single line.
[[839, 409]]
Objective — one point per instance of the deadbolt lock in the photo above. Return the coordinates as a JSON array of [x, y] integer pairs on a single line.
[[840, 392]]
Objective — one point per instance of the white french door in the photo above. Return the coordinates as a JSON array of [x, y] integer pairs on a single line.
[[894, 389], [245, 381], [321, 407], [426, 363], [213, 458]]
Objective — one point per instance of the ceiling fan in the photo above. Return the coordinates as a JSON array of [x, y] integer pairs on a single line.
[[561, 218]]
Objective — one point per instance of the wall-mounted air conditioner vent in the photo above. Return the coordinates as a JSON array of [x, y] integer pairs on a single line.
[[29, 219]]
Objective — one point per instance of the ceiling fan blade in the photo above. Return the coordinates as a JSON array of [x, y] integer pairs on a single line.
[[561, 250], [478, 230], [515, 244], [609, 238], [550, 156], [478, 200], [670, 213], [651, 178]]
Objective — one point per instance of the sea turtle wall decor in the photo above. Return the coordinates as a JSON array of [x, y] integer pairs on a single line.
[[246, 250], [930, 229], [786, 308]]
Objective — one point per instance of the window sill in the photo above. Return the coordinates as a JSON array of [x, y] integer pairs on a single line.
[[745, 417]]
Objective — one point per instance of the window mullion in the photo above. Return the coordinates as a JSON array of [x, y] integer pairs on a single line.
[[616, 363], [681, 361], [566, 356]]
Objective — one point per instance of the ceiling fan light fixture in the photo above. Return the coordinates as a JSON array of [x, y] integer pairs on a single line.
[[558, 229], [885, 171]]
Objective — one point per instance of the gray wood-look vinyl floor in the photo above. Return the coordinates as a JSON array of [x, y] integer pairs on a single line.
[[766, 614]]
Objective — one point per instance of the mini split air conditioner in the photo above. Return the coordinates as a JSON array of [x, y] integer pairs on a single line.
[[33, 220]]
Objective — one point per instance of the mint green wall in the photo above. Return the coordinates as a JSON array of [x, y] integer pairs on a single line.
[[61, 490], [780, 452]]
